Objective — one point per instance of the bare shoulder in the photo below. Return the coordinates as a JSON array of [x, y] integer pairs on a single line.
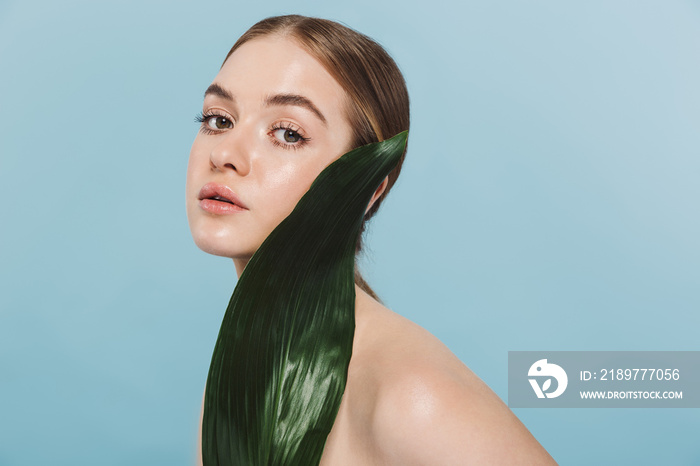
[[427, 407]]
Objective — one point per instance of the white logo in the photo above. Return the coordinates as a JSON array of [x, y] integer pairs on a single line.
[[542, 368]]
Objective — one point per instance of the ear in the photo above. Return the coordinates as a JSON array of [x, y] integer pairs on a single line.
[[377, 193]]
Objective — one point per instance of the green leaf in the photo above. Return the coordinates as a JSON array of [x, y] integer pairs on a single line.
[[280, 363]]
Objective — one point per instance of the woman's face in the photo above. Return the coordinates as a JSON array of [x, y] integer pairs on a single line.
[[273, 119]]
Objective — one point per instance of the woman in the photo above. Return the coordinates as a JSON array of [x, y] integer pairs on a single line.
[[292, 96]]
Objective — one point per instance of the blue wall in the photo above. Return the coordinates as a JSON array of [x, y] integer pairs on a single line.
[[549, 202]]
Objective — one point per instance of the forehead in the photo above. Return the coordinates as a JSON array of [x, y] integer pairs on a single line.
[[279, 65]]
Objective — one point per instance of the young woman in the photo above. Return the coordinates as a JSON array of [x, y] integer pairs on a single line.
[[293, 95]]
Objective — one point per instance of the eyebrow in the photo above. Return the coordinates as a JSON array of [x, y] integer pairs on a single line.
[[296, 100], [218, 91], [271, 100]]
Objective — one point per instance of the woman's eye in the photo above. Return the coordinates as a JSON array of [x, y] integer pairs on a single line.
[[219, 122], [287, 135]]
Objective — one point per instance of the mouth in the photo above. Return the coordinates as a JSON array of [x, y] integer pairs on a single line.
[[220, 199]]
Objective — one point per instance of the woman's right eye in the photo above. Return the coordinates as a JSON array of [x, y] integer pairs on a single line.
[[219, 122], [213, 123]]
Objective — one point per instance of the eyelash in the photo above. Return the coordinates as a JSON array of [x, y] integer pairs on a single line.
[[203, 117], [288, 127]]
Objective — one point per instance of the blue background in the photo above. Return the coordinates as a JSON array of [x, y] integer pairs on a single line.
[[549, 202]]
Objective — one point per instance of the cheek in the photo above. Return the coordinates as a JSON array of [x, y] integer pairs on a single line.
[[197, 166], [196, 158], [285, 186]]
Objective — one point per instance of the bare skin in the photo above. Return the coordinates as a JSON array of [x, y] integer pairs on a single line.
[[410, 401]]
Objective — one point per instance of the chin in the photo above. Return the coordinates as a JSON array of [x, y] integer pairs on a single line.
[[215, 237], [221, 242], [224, 247]]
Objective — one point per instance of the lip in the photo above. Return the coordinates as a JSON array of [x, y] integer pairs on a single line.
[[229, 203]]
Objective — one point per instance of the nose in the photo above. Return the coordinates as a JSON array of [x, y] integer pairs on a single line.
[[230, 153]]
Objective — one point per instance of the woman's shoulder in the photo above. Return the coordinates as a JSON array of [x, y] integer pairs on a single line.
[[423, 405]]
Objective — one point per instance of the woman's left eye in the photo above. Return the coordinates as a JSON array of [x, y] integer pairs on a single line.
[[287, 137]]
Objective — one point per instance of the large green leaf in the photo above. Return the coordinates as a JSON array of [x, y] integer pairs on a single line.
[[280, 364]]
